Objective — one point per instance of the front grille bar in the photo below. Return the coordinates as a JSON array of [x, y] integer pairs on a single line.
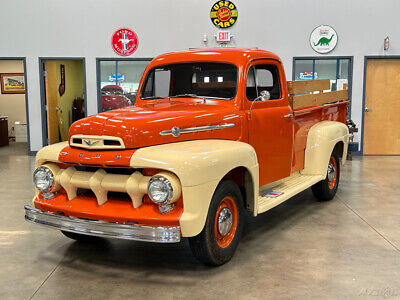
[[101, 182]]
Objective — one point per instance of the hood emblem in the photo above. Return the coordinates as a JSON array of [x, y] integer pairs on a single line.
[[176, 131], [90, 142]]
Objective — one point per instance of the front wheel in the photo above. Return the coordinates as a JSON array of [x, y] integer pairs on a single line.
[[326, 189], [218, 241]]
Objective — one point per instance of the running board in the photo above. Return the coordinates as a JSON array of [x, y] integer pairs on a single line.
[[295, 184]]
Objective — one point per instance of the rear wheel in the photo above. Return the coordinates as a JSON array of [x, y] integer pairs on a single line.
[[326, 189], [218, 241], [81, 237]]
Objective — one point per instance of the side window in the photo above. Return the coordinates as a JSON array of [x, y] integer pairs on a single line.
[[263, 78]]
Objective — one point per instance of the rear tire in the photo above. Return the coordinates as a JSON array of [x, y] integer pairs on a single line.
[[326, 189], [217, 242], [83, 238]]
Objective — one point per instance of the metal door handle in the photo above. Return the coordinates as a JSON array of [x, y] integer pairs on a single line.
[[367, 109], [288, 116]]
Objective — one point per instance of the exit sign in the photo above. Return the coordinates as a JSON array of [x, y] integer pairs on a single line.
[[223, 36]]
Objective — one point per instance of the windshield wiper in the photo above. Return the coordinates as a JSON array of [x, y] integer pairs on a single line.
[[197, 96], [152, 97], [211, 97], [186, 95]]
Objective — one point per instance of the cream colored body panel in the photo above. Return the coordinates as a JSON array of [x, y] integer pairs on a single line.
[[290, 187], [321, 139], [49, 153], [200, 166]]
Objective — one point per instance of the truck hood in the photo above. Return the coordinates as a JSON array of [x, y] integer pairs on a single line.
[[141, 126]]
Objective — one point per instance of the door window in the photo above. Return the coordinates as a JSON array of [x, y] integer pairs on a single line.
[[263, 78]]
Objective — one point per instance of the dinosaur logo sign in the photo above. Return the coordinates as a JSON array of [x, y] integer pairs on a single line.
[[323, 39], [124, 41], [223, 14]]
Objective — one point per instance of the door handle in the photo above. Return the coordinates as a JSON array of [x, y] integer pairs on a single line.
[[367, 109], [288, 116]]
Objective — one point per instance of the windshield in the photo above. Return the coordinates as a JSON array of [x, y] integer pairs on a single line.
[[199, 79]]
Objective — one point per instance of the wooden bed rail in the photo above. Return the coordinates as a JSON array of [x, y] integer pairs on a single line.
[[308, 97]]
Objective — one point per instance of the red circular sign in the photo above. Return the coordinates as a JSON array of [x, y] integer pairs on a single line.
[[124, 41], [224, 14]]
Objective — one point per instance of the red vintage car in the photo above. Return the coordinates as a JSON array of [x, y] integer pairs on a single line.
[[113, 97]]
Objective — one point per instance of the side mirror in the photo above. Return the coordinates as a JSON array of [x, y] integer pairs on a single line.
[[265, 95]]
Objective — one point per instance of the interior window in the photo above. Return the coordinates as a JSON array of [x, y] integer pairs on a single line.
[[161, 83], [263, 78]]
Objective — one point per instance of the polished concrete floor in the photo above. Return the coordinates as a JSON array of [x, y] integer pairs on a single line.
[[343, 249]]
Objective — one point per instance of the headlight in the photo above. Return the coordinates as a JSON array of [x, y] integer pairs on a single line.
[[164, 188], [160, 189], [43, 179]]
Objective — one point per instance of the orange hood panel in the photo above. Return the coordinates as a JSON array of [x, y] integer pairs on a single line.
[[140, 126]]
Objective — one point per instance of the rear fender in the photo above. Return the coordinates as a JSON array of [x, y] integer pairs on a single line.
[[321, 140]]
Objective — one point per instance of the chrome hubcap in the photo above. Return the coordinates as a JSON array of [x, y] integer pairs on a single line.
[[331, 172], [225, 221]]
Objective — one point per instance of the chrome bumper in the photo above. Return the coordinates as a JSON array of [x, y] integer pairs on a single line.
[[166, 234]]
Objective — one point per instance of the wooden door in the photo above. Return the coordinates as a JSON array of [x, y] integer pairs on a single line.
[[382, 107], [50, 80]]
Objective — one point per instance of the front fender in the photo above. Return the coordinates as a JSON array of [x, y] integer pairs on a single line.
[[200, 165], [321, 140]]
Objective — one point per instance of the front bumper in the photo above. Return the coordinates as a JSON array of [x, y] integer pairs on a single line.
[[160, 234]]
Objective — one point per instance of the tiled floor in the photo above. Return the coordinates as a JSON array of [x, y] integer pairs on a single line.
[[303, 249]]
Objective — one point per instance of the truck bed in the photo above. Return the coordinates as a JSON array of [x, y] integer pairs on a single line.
[[330, 106]]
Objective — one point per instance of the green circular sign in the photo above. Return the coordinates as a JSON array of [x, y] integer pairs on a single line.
[[323, 39]]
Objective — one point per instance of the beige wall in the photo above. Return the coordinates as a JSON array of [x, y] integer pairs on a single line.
[[12, 105]]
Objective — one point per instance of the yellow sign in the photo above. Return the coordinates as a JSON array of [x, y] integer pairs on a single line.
[[223, 14]]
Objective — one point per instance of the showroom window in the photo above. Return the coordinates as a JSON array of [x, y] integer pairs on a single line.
[[337, 69], [118, 81]]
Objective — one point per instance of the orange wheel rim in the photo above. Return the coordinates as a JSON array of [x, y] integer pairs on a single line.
[[225, 223], [332, 172]]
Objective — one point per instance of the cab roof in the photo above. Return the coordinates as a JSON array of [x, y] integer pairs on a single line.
[[237, 56]]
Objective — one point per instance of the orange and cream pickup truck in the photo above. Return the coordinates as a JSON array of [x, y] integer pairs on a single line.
[[213, 133]]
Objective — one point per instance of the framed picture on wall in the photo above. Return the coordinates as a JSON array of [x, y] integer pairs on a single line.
[[12, 83]]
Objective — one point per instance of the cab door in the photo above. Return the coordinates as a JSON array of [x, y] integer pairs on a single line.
[[270, 119]]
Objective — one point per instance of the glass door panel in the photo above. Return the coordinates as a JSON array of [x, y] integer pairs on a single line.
[[327, 69]]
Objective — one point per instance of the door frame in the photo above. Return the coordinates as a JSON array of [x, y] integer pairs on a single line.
[[98, 79], [363, 98], [42, 91], [23, 58], [351, 60]]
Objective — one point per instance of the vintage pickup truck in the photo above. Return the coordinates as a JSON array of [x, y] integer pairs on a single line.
[[213, 133]]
